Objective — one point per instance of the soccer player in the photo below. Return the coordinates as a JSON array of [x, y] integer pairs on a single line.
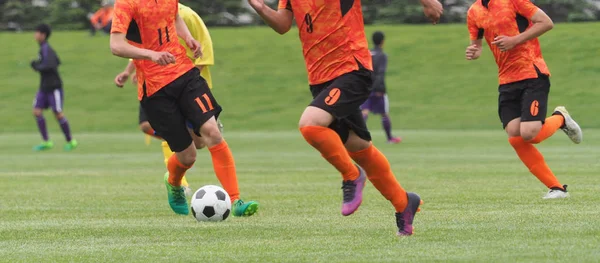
[[50, 94], [102, 19], [172, 92], [511, 29], [340, 77], [200, 33], [377, 102]]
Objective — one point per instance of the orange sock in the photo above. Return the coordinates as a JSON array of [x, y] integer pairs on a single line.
[[551, 125], [176, 170], [380, 174], [330, 145], [534, 160], [224, 167]]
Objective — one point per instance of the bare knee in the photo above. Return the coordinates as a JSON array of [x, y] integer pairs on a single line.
[[59, 115], [145, 127], [513, 128], [37, 112], [314, 116], [187, 157], [365, 112], [211, 135], [355, 143], [529, 130]]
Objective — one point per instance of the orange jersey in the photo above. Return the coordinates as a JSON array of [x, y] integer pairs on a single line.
[[102, 16], [151, 25], [333, 38], [508, 18]]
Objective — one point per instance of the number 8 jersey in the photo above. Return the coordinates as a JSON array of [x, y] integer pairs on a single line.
[[150, 24]]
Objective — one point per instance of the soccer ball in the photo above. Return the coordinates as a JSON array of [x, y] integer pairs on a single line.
[[211, 203]]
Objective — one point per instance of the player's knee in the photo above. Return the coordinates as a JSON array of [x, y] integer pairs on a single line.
[[59, 115], [530, 130], [314, 116], [211, 135], [355, 143], [37, 112], [145, 127]]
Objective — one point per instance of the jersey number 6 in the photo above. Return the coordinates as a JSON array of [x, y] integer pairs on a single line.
[[160, 40]]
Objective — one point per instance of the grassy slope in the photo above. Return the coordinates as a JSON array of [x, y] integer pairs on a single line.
[[261, 81]]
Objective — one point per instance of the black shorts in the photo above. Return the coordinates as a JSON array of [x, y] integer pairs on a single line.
[[142, 115], [186, 99], [526, 99], [342, 98]]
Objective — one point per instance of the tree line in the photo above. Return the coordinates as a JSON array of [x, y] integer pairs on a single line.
[[72, 14]]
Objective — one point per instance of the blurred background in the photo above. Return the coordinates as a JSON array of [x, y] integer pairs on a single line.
[[73, 14]]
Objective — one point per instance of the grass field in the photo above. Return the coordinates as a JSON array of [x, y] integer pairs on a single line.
[[258, 73], [105, 201]]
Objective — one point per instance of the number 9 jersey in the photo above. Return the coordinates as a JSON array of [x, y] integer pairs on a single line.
[[150, 24]]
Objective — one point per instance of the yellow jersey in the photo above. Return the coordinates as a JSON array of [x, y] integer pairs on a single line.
[[200, 33]]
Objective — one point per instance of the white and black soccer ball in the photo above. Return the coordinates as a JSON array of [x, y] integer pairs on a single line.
[[211, 203]]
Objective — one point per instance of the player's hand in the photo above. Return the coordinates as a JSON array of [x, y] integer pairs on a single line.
[[473, 52], [134, 78], [257, 4], [162, 58], [194, 46], [505, 43], [433, 10], [121, 79]]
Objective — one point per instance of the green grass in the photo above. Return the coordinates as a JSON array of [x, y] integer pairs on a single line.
[[261, 81], [105, 202]]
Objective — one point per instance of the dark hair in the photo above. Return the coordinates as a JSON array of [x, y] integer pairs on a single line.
[[44, 29], [378, 38]]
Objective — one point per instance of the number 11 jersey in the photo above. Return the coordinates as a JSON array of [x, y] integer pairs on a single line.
[[150, 24]]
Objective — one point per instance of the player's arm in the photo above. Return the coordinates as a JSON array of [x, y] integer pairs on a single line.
[[123, 14], [122, 77], [541, 24], [476, 35], [184, 33], [48, 60], [279, 20]]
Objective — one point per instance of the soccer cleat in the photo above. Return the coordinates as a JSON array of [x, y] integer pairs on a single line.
[[405, 219], [571, 128], [71, 145], [177, 199], [46, 145], [394, 140], [240, 208], [352, 190], [556, 193]]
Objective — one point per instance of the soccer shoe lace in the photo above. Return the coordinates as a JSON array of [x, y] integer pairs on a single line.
[[349, 189], [178, 195]]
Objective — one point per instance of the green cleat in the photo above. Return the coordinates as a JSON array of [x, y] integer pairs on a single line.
[[244, 209], [47, 145], [71, 145], [177, 199]]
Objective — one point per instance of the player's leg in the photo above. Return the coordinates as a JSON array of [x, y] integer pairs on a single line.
[[321, 127], [382, 107], [56, 102], [40, 102], [366, 108], [379, 172], [165, 117], [510, 111], [202, 110]]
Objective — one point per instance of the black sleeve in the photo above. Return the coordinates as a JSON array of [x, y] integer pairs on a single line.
[[47, 61]]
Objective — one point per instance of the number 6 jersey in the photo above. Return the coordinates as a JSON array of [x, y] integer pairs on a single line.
[[150, 24]]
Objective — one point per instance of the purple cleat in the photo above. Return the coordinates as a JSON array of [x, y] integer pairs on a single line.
[[404, 220], [353, 193]]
